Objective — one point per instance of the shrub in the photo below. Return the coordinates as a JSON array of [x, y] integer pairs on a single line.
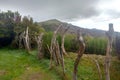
[[96, 45]]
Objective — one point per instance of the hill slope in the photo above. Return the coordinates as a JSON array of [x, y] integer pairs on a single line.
[[51, 25]]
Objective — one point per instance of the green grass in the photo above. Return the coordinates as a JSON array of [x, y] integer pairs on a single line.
[[18, 65], [87, 69]]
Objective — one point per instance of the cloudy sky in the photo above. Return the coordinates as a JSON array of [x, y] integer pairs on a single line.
[[85, 13]]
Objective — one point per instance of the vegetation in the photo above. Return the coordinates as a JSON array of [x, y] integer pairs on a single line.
[[12, 25], [96, 45], [17, 65], [117, 45], [22, 36]]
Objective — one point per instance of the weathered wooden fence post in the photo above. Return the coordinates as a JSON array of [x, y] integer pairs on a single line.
[[110, 35], [39, 44], [80, 53], [26, 40], [63, 39], [52, 48]]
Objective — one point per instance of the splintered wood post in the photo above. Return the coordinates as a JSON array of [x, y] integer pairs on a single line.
[[39, 44], [57, 52], [62, 45], [63, 39], [62, 63], [26, 40], [80, 53], [60, 57], [110, 35], [51, 59], [53, 46]]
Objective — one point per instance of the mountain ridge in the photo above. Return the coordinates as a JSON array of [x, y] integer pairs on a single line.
[[52, 24]]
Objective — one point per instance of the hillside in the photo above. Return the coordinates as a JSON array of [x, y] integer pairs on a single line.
[[51, 25], [17, 65]]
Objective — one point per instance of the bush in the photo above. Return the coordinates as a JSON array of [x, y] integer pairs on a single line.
[[47, 41], [96, 46], [71, 43]]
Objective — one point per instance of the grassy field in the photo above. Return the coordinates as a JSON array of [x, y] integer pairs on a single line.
[[18, 65]]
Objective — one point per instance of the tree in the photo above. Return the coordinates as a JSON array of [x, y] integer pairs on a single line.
[[34, 30], [7, 24]]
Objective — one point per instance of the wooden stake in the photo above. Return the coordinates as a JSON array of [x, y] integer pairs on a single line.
[[80, 53], [39, 43], [63, 39], [110, 35]]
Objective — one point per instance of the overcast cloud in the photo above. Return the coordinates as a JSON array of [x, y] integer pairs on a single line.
[[85, 13], [48, 9]]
